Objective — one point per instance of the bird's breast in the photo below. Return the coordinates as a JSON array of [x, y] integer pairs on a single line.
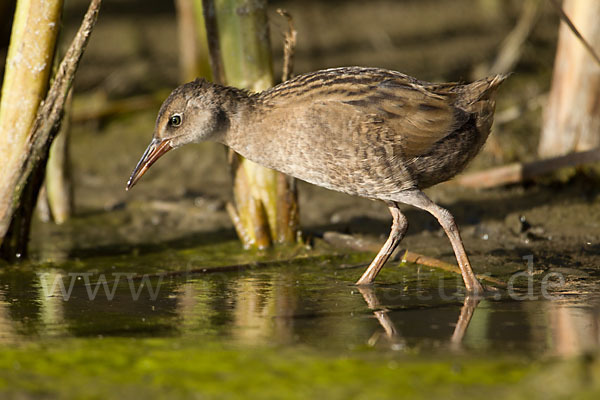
[[326, 154]]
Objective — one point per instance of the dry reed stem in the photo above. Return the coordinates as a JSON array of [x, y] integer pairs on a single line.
[[573, 28], [289, 46], [48, 117], [520, 172]]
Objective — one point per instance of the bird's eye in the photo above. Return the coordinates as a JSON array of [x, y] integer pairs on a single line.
[[175, 120]]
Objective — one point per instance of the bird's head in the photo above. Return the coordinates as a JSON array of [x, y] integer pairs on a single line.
[[191, 114]]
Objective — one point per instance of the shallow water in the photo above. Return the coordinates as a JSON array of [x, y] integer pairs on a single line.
[[178, 323], [311, 302]]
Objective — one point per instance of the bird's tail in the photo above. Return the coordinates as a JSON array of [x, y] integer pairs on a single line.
[[482, 89], [479, 98]]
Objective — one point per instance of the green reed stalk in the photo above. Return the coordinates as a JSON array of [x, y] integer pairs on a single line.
[[265, 208]]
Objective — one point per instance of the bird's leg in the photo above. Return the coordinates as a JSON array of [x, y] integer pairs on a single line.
[[399, 226], [420, 200]]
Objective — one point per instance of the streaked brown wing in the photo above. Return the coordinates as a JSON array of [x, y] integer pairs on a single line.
[[412, 115]]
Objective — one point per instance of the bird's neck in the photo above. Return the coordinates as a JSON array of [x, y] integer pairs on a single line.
[[246, 130]]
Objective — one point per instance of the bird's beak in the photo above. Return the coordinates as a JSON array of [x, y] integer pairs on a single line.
[[154, 151]]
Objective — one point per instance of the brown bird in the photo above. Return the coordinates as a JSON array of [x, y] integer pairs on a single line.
[[368, 132]]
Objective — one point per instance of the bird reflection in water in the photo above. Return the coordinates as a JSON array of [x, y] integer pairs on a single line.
[[391, 333]]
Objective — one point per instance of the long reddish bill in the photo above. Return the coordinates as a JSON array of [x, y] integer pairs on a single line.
[[154, 151]]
